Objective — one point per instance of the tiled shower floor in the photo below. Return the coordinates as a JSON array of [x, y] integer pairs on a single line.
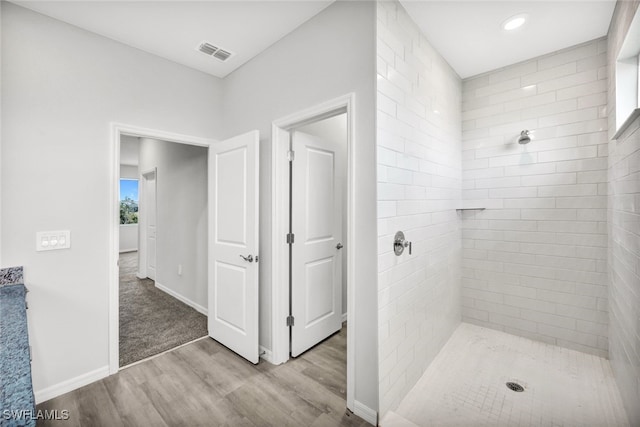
[[465, 386]]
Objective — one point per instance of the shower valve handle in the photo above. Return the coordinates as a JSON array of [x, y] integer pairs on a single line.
[[399, 244]]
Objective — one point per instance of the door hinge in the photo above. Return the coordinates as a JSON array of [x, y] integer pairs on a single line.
[[290, 321], [290, 238], [291, 155]]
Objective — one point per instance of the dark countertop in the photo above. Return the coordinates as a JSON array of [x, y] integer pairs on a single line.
[[16, 390], [11, 276]]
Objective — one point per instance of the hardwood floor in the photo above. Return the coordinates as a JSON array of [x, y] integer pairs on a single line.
[[205, 384]]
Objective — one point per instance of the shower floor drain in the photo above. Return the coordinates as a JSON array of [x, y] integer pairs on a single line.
[[515, 387]]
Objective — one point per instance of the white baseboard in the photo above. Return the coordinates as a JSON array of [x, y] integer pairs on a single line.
[[366, 413], [344, 317], [267, 356], [122, 251], [71, 384], [179, 297]]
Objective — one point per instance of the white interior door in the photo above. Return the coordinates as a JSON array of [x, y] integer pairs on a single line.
[[233, 259], [150, 223], [316, 263]]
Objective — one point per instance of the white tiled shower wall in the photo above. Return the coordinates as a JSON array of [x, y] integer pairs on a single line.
[[624, 235], [535, 261], [418, 155]]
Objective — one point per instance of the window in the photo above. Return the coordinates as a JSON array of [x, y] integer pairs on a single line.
[[128, 201], [628, 78]]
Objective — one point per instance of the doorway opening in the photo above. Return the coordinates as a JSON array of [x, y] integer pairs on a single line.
[[313, 235], [158, 283]]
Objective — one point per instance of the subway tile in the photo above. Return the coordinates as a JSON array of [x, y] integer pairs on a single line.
[[549, 319], [512, 193], [537, 255], [566, 262], [568, 55], [529, 303], [570, 335], [582, 165], [582, 239], [554, 108], [549, 73], [592, 177], [568, 81], [549, 179], [530, 101], [549, 214], [507, 73], [597, 202], [513, 94], [594, 138], [514, 225], [567, 154], [593, 100], [567, 299], [568, 190], [495, 88], [569, 226], [523, 158], [583, 115], [594, 87], [491, 307], [532, 203], [515, 322], [592, 62]]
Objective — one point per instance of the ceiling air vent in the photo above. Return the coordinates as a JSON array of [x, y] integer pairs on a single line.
[[215, 51]]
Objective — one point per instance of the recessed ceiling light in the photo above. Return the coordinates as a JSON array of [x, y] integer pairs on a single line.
[[514, 22]]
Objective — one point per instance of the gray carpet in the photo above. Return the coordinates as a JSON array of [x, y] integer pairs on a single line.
[[152, 321]]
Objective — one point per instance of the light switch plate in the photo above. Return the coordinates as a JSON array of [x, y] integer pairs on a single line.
[[53, 240]]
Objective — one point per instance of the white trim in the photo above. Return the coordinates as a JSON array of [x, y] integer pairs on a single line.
[[123, 251], [182, 298], [118, 129], [142, 220], [344, 317], [366, 413], [266, 355], [279, 226], [70, 384]]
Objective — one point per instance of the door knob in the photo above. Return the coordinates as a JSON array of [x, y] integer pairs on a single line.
[[247, 258], [339, 246]]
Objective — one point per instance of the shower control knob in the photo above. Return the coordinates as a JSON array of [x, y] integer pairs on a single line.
[[399, 244]]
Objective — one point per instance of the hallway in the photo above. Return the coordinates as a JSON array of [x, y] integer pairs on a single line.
[[152, 321]]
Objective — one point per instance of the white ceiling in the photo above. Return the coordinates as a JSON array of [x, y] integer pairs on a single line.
[[469, 34], [174, 29]]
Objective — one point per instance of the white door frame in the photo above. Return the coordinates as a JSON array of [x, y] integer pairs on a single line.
[[142, 221], [117, 130], [280, 227]]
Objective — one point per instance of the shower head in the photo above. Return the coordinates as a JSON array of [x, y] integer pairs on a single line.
[[524, 137]]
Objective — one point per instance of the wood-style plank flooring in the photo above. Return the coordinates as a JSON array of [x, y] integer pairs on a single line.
[[205, 384]]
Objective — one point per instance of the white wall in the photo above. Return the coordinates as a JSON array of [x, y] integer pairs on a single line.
[[328, 56], [534, 262], [624, 233], [335, 129], [62, 87], [418, 192], [181, 216]]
